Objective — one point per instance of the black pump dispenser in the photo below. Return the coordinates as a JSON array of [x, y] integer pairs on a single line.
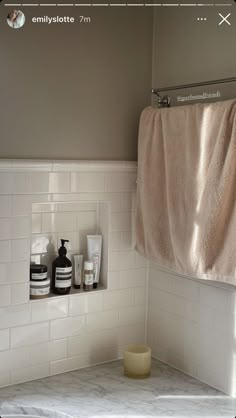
[[62, 250], [62, 271]]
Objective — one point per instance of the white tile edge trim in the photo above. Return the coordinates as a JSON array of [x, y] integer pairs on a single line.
[[60, 166]]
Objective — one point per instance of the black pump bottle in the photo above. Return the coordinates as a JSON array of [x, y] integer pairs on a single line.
[[61, 271]]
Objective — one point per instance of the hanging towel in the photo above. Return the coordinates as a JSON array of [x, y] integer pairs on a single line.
[[186, 195]]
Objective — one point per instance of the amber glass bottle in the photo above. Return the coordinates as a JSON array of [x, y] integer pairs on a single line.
[[61, 271]]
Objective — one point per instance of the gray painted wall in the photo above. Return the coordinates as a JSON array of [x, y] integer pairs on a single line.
[[75, 91], [187, 51]]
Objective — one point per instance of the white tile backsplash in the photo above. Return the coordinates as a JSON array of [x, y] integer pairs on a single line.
[[102, 340], [49, 309], [5, 206], [19, 293], [104, 355], [77, 206], [5, 228], [140, 296], [128, 240], [215, 298], [17, 272], [115, 240], [190, 325], [68, 327], [94, 302], [131, 334], [40, 182], [132, 315], [20, 227], [21, 183], [87, 182], [22, 204], [39, 353], [129, 201], [140, 261], [36, 223], [77, 305], [50, 182], [122, 260], [80, 305], [14, 359], [53, 222], [78, 345], [6, 183], [86, 220], [5, 379], [29, 334], [4, 339], [20, 249], [102, 320], [12, 316], [133, 278], [5, 251], [114, 280], [121, 221], [14, 272], [58, 349], [121, 182], [119, 298], [30, 373], [70, 363]]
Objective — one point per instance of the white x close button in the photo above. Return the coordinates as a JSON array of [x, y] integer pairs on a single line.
[[224, 19]]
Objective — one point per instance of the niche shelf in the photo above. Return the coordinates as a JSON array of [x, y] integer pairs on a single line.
[[72, 220]]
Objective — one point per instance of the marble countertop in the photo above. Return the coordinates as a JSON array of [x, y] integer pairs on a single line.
[[7, 410], [104, 392]]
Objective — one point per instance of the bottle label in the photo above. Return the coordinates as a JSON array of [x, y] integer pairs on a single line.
[[88, 279], [39, 276], [40, 291], [39, 288], [63, 277], [95, 267]]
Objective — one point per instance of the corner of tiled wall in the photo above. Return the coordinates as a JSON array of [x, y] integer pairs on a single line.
[[58, 334], [191, 326]]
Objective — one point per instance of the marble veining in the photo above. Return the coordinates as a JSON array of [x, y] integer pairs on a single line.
[[21, 411], [103, 391]]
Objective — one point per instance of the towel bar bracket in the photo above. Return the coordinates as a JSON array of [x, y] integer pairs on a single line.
[[162, 101]]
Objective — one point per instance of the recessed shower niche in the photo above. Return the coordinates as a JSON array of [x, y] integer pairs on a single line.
[[51, 222]]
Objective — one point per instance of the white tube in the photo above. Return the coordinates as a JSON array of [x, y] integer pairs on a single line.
[[94, 246], [78, 265]]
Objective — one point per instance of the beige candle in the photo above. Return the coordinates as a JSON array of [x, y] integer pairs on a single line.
[[137, 361]]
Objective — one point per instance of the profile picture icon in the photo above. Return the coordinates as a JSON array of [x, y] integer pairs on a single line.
[[16, 19]]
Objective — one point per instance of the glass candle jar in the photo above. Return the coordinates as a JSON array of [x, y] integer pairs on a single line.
[[137, 361]]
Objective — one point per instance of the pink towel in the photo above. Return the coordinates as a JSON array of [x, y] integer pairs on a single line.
[[186, 200]]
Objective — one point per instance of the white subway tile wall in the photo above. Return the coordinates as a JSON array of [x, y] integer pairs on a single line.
[[19, 293], [20, 249], [5, 379], [4, 339], [191, 326], [38, 203]]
